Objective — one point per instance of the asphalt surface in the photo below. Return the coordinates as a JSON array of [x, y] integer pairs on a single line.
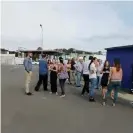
[[46, 113]]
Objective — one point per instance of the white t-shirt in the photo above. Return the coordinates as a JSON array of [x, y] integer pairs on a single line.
[[94, 69], [85, 67]]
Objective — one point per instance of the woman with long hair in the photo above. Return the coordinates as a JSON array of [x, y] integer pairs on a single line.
[[115, 79], [105, 78], [63, 75], [53, 77], [49, 64], [73, 70], [93, 78], [69, 70]]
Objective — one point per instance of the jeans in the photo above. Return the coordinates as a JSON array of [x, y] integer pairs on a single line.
[[116, 86], [93, 82], [62, 85], [78, 79], [69, 74], [99, 82], [86, 84]]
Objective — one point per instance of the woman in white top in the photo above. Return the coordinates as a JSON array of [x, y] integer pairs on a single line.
[[85, 77], [93, 78]]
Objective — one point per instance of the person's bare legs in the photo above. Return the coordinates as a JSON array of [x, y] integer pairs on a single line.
[[112, 94], [104, 91]]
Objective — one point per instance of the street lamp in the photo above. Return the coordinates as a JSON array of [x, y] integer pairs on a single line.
[[42, 38]]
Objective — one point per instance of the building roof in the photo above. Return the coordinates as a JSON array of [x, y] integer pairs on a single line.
[[2, 49], [119, 47], [44, 51]]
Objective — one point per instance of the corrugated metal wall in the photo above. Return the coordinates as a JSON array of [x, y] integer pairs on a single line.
[[126, 58]]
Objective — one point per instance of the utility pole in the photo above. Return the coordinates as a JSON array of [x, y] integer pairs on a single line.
[[42, 39]]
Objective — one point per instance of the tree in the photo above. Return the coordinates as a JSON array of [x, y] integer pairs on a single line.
[[70, 50], [64, 50], [39, 48], [100, 52]]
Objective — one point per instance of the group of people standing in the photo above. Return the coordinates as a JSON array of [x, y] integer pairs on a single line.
[[47, 69], [96, 75], [101, 76], [58, 70]]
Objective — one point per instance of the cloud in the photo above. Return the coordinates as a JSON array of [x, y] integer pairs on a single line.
[[82, 25], [108, 37]]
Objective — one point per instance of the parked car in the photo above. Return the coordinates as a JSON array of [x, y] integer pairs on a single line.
[[35, 62]]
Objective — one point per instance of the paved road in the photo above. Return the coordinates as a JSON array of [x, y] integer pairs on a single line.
[[45, 113]]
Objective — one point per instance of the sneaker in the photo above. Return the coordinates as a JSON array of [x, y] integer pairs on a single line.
[[36, 90], [50, 92], [91, 99], [29, 93], [103, 103], [113, 104], [78, 86], [56, 93], [62, 96]]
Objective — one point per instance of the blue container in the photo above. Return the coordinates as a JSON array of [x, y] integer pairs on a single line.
[[125, 55]]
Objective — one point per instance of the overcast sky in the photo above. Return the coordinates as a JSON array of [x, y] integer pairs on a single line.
[[88, 26]]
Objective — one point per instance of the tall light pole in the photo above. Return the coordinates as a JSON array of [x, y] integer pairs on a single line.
[[42, 38]]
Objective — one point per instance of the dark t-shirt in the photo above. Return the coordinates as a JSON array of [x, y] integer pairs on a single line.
[[72, 65]]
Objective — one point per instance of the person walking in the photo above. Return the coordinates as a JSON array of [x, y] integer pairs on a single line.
[[93, 78], [105, 78], [85, 77], [28, 70], [43, 74], [115, 79], [63, 75], [53, 77]]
